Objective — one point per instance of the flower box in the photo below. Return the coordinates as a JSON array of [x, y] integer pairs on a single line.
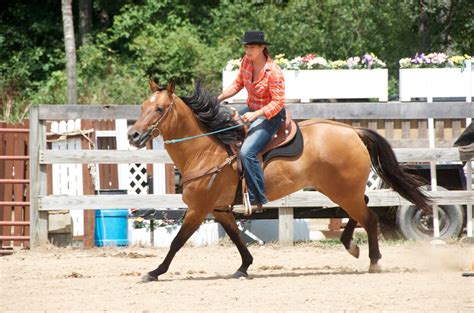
[[139, 236], [432, 83], [228, 78], [343, 84], [207, 234], [306, 85]]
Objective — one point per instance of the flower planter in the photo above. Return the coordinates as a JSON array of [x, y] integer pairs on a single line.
[[343, 84], [228, 78], [163, 236], [305, 85], [436, 82], [207, 234], [139, 236]]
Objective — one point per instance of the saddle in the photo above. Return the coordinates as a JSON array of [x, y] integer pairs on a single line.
[[287, 132], [288, 141]]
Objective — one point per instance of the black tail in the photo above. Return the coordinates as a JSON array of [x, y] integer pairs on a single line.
[[385, 164]]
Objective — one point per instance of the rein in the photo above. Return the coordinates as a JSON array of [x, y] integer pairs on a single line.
[[202, 135], [200, 173], [154, 127]]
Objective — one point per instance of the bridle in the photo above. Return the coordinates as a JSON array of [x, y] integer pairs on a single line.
[[153, 130]]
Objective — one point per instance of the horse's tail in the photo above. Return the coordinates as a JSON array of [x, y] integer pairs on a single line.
[[386, 165]]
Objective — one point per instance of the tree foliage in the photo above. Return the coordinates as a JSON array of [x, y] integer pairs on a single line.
[[132, 40]]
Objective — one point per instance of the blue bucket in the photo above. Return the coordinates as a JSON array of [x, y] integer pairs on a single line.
[[111, 227]]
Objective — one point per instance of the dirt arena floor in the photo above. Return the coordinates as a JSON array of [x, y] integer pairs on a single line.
[[314, 277]]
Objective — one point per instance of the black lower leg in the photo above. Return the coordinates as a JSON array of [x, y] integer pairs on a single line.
[[348, 232], [228, 223], [372, 234], [187, 229]]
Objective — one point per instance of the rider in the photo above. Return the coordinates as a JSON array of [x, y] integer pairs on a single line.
[[265, 109]]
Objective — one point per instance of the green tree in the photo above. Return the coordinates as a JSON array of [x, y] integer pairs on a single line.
[[130, 40]]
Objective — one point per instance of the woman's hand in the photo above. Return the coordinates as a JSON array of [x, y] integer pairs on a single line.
[[249, 117]]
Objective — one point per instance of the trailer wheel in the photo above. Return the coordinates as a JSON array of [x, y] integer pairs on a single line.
[[416, 224]]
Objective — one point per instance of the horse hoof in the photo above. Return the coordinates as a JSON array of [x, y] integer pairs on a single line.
[[375, 268], [149, 278], [354, 250], [240, 274]]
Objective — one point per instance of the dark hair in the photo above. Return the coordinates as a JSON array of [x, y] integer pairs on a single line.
[[266, 52], [213, 115]]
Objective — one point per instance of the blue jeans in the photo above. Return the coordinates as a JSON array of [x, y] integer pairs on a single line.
[[259, 135]]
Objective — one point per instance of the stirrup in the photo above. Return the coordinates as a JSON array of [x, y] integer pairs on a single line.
[[247, 205]]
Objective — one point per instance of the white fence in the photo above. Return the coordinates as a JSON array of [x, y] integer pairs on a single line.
[[41, 203]]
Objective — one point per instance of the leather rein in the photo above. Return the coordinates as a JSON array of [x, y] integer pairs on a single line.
[[150, 131]]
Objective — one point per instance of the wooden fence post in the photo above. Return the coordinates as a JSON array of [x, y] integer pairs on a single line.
[[38, 179], [285, 226]]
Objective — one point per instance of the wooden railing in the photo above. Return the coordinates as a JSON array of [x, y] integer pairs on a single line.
[[393, 120]]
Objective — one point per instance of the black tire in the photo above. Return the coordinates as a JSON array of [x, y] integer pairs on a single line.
[[416, 224]]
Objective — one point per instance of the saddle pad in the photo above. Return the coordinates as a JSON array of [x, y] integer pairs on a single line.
[[292, 148]]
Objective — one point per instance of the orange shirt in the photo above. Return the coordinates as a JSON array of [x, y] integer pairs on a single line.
[[267, 92]]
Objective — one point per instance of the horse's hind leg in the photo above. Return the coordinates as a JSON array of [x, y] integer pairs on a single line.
[[369, 220], [372, 232], [191, 223], [227, 220], [347, 240], [347, 235]]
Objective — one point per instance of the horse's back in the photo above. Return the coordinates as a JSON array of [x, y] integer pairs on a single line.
[[334, 145], [331, 154], [330, 137]]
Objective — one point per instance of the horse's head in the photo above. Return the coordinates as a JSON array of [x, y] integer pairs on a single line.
[[154, 111]]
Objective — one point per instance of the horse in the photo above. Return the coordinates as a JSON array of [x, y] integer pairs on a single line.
[[336, 160]]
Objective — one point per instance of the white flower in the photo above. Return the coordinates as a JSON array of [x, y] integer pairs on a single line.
[[233, 65], [405, 62], [318, 61], [296, 63]]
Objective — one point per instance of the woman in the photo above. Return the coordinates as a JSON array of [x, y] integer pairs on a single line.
[[265, 109]]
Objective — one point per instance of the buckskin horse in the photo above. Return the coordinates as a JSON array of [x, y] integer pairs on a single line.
[[336, 161]]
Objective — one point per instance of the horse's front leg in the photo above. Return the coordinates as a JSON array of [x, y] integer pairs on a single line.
[[227, 220], [191, 223]]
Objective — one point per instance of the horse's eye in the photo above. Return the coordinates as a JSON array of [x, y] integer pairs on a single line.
[[159, 110]]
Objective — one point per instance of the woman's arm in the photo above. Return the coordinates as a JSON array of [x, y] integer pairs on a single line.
[[228, 92], [233, 89]]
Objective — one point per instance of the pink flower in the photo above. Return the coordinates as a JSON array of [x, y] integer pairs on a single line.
[[308, 57]]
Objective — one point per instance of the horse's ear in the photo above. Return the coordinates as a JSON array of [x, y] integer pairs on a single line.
[[153, 86], [170, 87]]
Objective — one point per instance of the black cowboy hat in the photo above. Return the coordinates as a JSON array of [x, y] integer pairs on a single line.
[[253, 37]]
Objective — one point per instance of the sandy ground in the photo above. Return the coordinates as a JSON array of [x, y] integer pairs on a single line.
[[312, 277]]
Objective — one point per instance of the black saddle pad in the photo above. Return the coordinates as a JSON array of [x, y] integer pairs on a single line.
[[292, 148]]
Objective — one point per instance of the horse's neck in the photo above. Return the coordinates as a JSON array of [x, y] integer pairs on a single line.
[[190, 155]]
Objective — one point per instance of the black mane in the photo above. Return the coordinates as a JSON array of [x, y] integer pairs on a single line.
[[213, 115]]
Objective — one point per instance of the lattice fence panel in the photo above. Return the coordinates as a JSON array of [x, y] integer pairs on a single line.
[[137, 179], [374, 182]]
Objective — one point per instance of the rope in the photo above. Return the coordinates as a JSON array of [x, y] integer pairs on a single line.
[[202, 135]]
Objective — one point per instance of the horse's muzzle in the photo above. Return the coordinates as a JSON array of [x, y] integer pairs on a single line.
[[137, 139]]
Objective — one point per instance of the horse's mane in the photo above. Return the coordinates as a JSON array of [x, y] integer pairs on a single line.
[[213, 115]]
